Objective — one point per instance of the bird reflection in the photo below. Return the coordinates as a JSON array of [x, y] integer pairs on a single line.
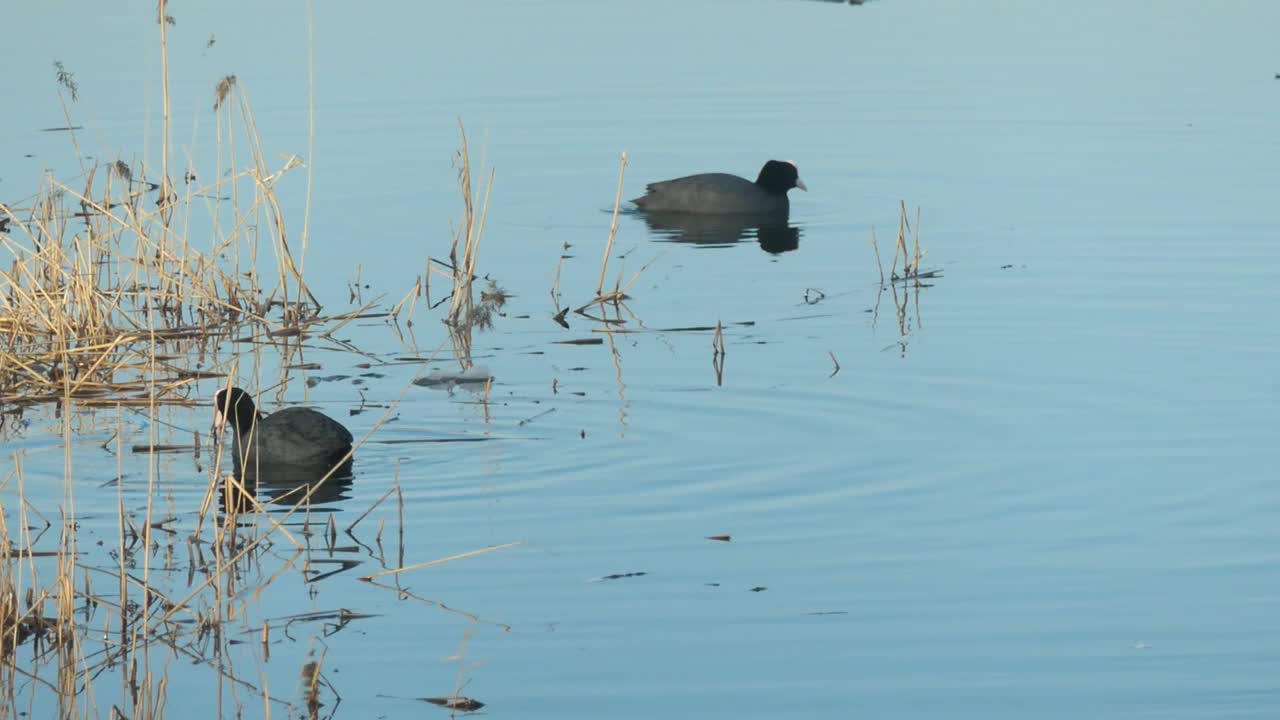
[[774, 232], [286, 484]]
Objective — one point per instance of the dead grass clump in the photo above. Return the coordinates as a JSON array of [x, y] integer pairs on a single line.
[[466, 238], [99, 278], [467, 312], [910, 279], [910, 258]]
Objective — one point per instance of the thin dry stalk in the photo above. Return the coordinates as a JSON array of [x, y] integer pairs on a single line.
[[372, 507], [613, 225], [916, 233], [718, 353], [311, 133], [875, 245], [441, 561], [458, 684], [410, 298], [469, 234], [555, 294], [162, 7], [900, 247]]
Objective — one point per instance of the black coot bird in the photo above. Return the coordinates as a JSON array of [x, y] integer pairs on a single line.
[[295, 436], [725, 194]]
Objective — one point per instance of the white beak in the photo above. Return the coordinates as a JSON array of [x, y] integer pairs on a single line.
[[800, 184]]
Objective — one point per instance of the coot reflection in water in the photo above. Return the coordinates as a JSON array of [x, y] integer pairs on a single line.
[[773, 231], [288, 483]]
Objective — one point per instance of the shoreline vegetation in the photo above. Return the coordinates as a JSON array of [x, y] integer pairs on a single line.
[[126, 288]]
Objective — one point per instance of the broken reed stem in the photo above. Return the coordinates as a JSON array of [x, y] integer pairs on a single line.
[[162, 7], [409, 297], [875, 245], [468, 212], [916, 233], [372, 507], [469, 233], [718, 353], [458, 685], [473, 250], [75, 143], [311, 134], [613, 226], [893, 266], [555, 286], [637, 274], [400, 522], [901, 238], [440, 561]]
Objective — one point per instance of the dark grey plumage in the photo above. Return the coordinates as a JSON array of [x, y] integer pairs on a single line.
[[295, 435], [725, 194]]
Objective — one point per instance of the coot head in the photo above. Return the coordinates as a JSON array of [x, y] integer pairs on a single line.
[[779, 176], [236, 407], [290, 435]]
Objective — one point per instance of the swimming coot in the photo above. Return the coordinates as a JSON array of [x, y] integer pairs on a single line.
[[296, 435], [722, 193]]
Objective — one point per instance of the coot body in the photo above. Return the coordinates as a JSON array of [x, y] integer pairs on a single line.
[[725, 194], [295, 435]]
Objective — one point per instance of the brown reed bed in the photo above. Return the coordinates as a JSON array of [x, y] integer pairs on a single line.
[[104, 295]]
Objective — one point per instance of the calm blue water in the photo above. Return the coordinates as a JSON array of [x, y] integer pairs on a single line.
[[1048, 492]]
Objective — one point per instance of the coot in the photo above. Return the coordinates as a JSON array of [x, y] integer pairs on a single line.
[[296, 435], [722, 193]]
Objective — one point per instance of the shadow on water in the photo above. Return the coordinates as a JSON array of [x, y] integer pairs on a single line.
[[774, 232]]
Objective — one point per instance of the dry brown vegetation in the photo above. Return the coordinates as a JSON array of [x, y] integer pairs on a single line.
[[904, 286], [121, 291], [118, 290], [107, 293]]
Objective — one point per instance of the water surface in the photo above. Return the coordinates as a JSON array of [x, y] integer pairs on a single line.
[[1039, 486]]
